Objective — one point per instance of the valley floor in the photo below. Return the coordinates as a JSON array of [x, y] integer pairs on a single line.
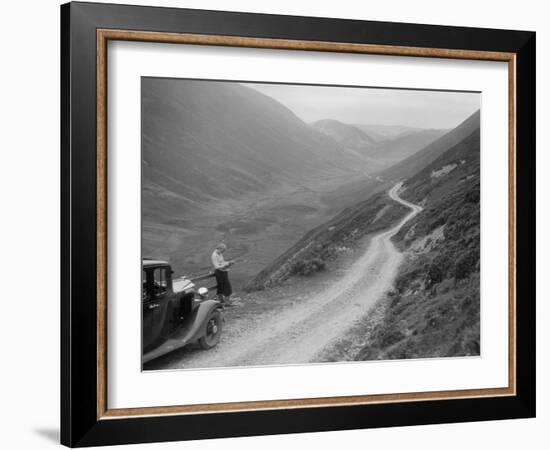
[[300, 321]]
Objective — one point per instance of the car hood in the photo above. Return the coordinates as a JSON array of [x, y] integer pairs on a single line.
[[182, 284]]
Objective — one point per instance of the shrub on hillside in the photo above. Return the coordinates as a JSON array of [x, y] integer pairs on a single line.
[[466, 264], [435, 274], [308, 267], [411, 273], [438, 269], [472, 196], [390, 337]]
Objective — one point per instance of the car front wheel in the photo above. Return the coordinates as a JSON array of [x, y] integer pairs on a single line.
[[213, 331]]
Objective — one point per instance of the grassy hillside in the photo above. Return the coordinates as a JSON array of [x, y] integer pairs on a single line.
[[434, 308], [320, 247]]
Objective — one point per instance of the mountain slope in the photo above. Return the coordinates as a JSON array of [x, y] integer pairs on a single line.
[[422, 158], [205, 140]]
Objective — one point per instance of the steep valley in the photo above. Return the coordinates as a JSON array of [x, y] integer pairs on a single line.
[[222, 161], [306, 210]]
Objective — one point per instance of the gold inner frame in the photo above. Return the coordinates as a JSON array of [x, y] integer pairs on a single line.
[[104, 35]]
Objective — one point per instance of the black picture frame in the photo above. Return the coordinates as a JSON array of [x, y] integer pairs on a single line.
[[80, 424]]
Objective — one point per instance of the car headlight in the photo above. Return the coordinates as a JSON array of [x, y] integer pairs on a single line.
[[203, 292]]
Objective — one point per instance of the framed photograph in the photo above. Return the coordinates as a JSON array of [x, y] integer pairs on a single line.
[[277, 224]]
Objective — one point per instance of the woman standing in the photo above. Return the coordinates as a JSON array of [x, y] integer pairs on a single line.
[[221, 269]]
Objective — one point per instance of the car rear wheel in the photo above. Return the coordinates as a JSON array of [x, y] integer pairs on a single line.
[[213, 331]]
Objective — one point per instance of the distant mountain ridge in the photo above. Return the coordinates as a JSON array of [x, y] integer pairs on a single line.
[[422, 158], [344, 134], [386, 132], [379, 148], [386, 154]]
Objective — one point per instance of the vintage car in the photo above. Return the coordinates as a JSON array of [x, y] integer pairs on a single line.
[[175, 313]]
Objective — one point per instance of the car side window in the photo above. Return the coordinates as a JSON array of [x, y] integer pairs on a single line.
[[160, 284], [146, 294]]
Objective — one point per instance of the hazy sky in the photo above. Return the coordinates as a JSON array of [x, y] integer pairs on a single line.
[[422, 109]]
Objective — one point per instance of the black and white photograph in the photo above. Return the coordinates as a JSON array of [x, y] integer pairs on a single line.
[[302, 224]]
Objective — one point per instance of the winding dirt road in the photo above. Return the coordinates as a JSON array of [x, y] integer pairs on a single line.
[[298, 334]]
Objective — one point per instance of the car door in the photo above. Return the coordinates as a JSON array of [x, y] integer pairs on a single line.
[[160, 303], [149, 306]]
